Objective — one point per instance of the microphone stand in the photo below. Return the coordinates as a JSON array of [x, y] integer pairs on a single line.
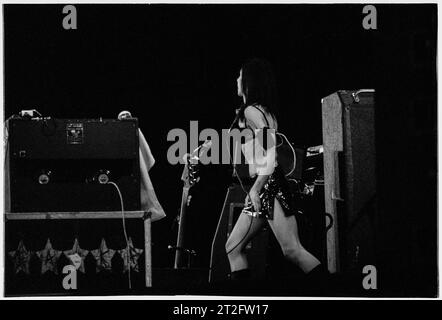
[[190, 253], [238, 114]]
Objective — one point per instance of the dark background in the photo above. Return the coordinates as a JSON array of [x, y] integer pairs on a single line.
[[169, 64]]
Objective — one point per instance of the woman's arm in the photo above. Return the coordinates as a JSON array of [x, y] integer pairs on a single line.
[[254, 192]]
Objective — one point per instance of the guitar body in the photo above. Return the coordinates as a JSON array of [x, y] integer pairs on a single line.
[[285, 154]]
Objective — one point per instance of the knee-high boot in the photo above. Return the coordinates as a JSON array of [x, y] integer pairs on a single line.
[[243, 274], [318, 278]]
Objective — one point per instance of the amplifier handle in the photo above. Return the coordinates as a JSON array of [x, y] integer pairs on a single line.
[[355, 95], [330, 224]]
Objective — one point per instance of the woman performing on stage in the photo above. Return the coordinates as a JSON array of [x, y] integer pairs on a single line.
[[269, 195]]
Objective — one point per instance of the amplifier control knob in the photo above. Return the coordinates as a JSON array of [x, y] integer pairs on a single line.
[[44, 178], [103, 178]]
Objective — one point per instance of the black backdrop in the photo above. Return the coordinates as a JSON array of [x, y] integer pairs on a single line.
[[169, 64]]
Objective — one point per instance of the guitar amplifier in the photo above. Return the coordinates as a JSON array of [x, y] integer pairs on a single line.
[[62, 165], [348, 119]]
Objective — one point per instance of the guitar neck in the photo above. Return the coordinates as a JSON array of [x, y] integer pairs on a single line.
[[181, 227]]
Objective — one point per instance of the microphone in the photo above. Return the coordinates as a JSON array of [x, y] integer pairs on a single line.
[[124, 115]]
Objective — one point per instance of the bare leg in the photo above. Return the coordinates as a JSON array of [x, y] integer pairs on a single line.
[[286, 232], [245, 229]]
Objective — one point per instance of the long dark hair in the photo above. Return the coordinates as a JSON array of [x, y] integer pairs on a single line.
[[259, 85]]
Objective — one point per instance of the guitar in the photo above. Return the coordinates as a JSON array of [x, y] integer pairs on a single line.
[[190, 178], [285, 154]]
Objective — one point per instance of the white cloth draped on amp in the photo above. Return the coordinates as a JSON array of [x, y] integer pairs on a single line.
[[149, 200]]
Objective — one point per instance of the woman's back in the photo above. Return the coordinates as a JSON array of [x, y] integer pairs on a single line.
[[257, 117], [261, 160]]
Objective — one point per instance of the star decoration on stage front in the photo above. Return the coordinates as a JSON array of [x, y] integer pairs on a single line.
[[49, 258], [21, 258], [134, 255], [77, 255], [103, 255]]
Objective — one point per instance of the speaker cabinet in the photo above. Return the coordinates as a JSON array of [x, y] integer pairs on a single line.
[[349, 177], [256, 250], [59, 165]]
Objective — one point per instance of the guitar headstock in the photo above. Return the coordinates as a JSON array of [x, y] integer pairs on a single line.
[[190, 173]]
